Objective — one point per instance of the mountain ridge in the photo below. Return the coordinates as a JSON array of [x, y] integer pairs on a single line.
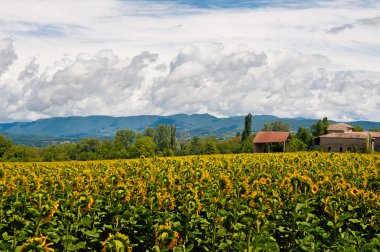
[[105, 127]]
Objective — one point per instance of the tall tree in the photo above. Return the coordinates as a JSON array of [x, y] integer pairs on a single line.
[[165, 138], [317, 129], [22, 154], [247, 127], [325, 125], [144, 146], [295, 144], [125, 138], [247, 146], [173, 141], [320, 127], [357, 129], [276, 126], [5, 145], [87, 149], [305, 136], [149, 132]]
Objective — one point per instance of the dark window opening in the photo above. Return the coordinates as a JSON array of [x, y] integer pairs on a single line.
[[341, 149], [329, 148]]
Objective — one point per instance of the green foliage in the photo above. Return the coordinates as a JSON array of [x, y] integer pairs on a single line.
[[295, 144], [87, 149], [110, 150], [21, 153], [247, 146], [247, 127], [125, 138], [62, 152], [357, 129], [144, 146], [320, 127], [228, 146], [5, 145], [165, 138], [305, 136], [276, 126], [207, 145], [368, 144], [149, 132]]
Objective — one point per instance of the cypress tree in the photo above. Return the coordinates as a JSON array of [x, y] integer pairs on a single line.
[[247, 127]]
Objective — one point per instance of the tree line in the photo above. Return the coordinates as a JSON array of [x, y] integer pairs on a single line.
[[160, 141]]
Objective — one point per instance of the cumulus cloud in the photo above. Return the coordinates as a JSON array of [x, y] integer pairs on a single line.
[[7, 54], [371, 22], [280, 83], [89, 84], [201, 78]]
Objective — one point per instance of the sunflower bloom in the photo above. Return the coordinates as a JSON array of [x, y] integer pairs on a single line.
[[314, 189], [354, 191]]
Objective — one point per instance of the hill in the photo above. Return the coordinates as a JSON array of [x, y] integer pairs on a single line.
[[63, 129]]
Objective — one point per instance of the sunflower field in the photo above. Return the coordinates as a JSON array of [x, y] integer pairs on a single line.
[[247, 202]]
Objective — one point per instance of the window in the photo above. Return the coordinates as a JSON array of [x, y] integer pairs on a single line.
[[340, 149], [329, 148]]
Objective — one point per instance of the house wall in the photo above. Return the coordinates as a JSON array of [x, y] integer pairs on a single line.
[[259, 147], [346, 144], [377, 144]]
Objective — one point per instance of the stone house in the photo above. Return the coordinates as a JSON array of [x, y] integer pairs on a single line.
[[341, 138]]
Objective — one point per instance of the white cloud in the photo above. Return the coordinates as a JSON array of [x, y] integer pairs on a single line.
[[90, 84], [371, 22], [279, 83], [234, 82], [7, 54], [89, 57]]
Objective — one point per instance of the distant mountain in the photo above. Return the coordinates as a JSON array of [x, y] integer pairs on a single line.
[[63, 129]]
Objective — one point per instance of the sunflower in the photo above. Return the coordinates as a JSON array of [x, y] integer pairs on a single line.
[[326, 207], [166, 201], [54, 209], [225, 183], [117, 242], [354, 191], [37, 244], [263, 181], [205, 179], [166, 236], [86, 203], [175, 241], [314, 189], [3, 188], [2, 174]]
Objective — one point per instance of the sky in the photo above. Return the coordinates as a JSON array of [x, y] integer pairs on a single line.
[[287, 58]]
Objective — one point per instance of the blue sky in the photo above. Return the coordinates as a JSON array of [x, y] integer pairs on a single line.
[[286, 58], [229, 4]]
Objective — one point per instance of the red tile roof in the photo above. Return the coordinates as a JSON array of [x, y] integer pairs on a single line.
[[374, 134], [347, 135], [271, 137], [339, 126]]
